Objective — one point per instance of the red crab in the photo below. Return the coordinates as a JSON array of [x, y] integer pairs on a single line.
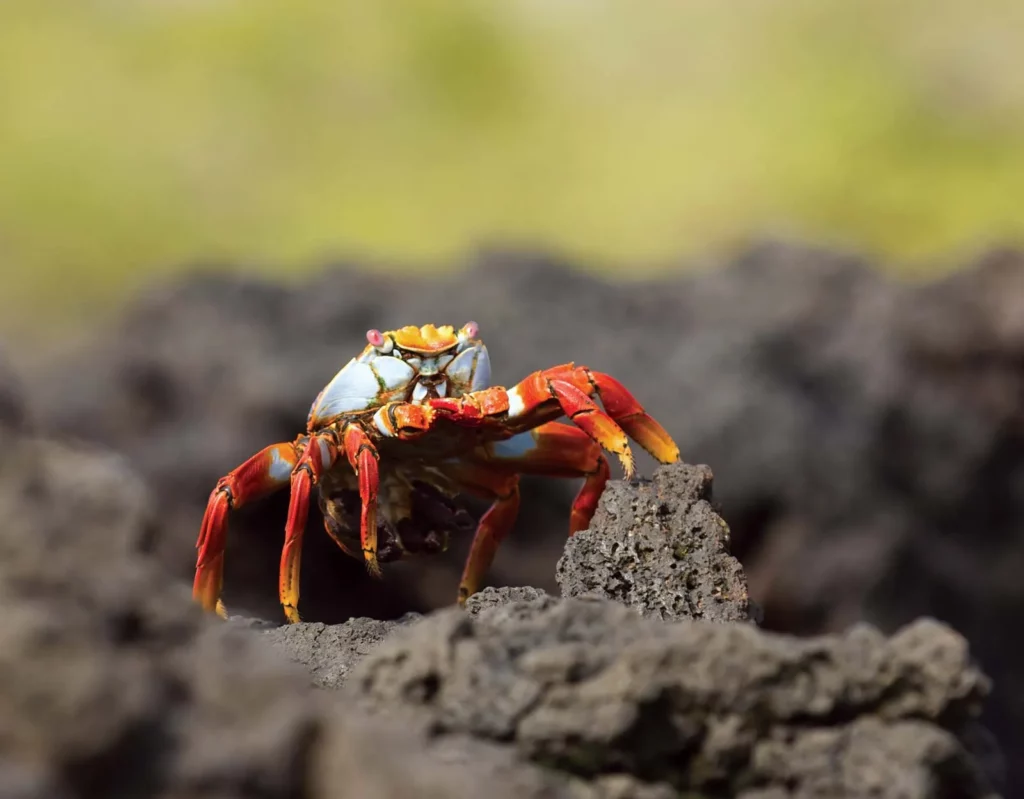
[[412, 419]]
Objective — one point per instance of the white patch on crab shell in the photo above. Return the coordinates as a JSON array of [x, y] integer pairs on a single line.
[[470, 371], [482, 373], [516, 406], [279, 470], [354, 388], [382, 423], [393, 372], [419, 393]]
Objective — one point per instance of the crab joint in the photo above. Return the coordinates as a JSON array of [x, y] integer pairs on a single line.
[[401, 420]]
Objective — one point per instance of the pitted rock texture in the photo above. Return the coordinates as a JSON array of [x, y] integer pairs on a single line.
[[330, 651], [496, 598], [659, 547], [591, 688]]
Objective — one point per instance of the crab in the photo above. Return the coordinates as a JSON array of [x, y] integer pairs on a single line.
[[410, 424]]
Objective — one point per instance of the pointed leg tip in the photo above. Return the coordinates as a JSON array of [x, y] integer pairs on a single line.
[[220, 610], [628, 464], [291, 614], [372, 566]]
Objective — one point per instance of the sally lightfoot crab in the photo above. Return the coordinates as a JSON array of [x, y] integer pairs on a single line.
[[413, 421]]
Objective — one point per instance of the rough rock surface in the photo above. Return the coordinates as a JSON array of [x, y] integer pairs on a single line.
[[867, 435], [330, 651], [590, 688], [660, 548]]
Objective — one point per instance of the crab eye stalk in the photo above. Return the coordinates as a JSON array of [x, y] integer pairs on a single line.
[[468, 332], [383, 344]]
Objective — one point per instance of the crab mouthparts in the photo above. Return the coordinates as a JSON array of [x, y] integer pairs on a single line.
[[430, 387]]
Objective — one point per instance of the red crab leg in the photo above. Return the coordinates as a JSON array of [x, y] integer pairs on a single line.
[[568, 389], [624, 408], [494, 525], [320, 453], [264, 473], [363, 457], [557, 450]]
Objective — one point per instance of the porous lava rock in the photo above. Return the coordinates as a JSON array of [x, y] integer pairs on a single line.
[[659, 546], [329, 651], [593, 689]]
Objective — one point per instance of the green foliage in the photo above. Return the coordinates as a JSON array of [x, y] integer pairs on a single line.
[[143, 136]]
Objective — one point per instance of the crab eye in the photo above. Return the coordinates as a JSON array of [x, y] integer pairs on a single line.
[[379, 341], [467, 334]]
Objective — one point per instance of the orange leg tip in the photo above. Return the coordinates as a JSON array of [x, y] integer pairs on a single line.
[[653, 438], [291, 614], [206, 588], [372, 566], [628, 464], [220, 610]]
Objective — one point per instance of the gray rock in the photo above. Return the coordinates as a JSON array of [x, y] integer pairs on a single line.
[[592, 688], [491, 597], [330, 651], [658, 546]]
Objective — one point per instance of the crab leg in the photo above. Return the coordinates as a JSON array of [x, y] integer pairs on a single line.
[[320, 453], [568, 390], [556, 450], [362, 456], [503, 488], [261, 475]]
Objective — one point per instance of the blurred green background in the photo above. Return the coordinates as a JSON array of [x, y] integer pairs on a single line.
[[141, 137]]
